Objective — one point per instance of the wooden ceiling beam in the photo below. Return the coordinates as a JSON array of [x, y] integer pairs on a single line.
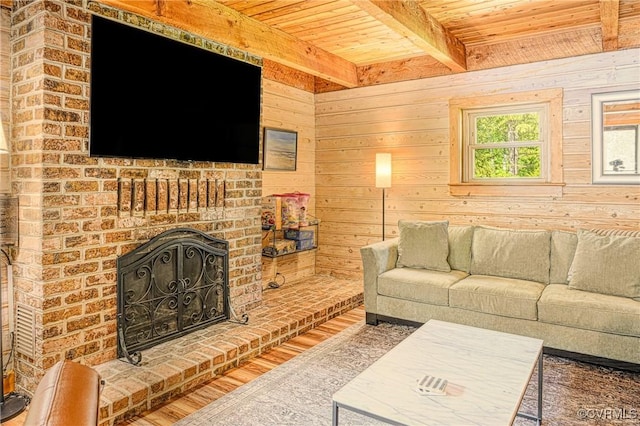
[[410, 20], [222, 24], [609, 16]]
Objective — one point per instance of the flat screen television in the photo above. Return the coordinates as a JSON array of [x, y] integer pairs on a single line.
[[158, 98]]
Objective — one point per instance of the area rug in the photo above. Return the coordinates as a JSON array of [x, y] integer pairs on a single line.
[[299, 391]]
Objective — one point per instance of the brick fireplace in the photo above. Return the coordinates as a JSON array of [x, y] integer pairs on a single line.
[[78, 214]]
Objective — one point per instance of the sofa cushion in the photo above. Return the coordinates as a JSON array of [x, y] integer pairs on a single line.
[[460, 247], [420, 285], [606, 264], [423, 244], [563, 247], [519, 254], [590, 311], [497, 295]]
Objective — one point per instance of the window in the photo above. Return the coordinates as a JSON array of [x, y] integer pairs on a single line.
[[615, 136], [507, 144]]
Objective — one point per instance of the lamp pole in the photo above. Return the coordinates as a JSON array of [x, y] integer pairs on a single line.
[[383, 178], [383, 214]]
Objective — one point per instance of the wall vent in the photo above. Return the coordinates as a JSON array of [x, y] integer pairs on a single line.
[[25, 330]]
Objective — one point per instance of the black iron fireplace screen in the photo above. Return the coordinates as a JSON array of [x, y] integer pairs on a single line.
[[174, 284]]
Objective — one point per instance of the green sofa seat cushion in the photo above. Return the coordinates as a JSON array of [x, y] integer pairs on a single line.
[[420, 285], [507, 297], [590, 311]]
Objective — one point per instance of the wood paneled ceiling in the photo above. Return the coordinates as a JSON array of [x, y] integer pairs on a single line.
[[349, 43]]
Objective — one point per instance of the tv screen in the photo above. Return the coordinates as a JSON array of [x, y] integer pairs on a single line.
[[154, 97]]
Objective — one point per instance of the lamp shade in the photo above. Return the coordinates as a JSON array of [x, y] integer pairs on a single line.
[[383, 170]]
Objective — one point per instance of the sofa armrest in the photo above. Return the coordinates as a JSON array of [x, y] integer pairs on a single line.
[[68, 394], [376, 259]]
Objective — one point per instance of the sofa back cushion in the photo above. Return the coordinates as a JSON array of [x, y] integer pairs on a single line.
[[607, 264], [563, 247], [520, 254], [616, 232], [423, 244], [460, 238]]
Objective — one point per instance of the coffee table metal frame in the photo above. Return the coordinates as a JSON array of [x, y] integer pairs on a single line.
[[359, 401]]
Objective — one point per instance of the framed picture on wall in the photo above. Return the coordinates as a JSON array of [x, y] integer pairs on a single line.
[[280, 149]]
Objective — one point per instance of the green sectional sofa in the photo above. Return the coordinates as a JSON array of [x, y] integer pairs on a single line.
[[577, 291]]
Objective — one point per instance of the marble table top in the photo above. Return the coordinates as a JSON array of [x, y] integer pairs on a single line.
[[487, 374]]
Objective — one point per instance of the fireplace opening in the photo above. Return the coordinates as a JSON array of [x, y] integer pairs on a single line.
[[174, 284]]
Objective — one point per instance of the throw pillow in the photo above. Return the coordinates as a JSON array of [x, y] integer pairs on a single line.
[[460, 247], [423, 245], [520, 254], [606, 264], [563, 247]]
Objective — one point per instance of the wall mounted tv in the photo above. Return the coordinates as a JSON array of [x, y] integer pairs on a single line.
[[154, 97]]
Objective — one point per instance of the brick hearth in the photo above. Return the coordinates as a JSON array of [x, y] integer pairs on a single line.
[[175, 367]]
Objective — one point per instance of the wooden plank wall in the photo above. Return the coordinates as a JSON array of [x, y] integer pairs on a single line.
[[410, 120], [285, 107]]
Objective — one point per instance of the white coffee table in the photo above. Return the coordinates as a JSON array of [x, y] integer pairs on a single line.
[[487, 372]]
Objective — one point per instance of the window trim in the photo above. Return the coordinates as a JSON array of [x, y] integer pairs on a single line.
[[551, 187], [597, 139], [468, 118]]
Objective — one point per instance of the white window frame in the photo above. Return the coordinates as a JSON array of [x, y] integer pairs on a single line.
[[598, 176], [470, 144], [548, 186]]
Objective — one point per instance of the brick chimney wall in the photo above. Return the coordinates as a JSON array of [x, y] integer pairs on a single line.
[[74, 215]]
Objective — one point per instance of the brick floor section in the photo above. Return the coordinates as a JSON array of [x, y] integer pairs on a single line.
[[172, 368]]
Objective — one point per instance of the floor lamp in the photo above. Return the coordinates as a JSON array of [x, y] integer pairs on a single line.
[[383, 178], [12, 404]]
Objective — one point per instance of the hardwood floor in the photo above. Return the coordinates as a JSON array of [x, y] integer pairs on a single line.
[[186, 404]]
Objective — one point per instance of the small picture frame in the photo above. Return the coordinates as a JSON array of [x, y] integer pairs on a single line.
[[280, 149]]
